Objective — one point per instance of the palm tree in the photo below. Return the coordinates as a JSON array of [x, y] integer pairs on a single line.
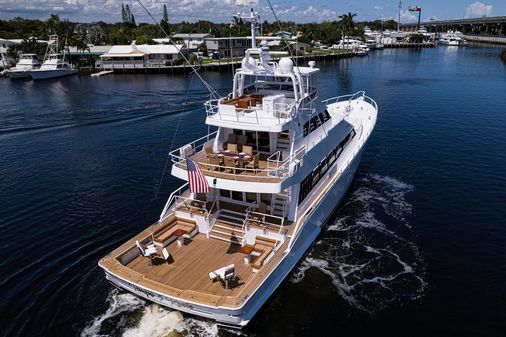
[[347, 23]]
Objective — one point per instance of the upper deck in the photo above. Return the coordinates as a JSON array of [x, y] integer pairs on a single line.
[[266, 95]]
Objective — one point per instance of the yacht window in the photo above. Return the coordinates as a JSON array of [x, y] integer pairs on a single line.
[[306, 129], [237, 195], [318, 173], [251, 198], [225, 193]]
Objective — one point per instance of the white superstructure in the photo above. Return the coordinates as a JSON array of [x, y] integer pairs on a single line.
[[22, 69], [55, 64], [452, 39], [278, 163]]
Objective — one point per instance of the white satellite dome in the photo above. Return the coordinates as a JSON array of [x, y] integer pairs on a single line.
[[286, 65], [249, 63]]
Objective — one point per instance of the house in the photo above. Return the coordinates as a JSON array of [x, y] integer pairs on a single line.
[[228, 46], [299, 46], [191, 40], [141, 56], [284, 35]]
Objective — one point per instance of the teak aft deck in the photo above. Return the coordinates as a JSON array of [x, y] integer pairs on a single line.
[[186, 274]]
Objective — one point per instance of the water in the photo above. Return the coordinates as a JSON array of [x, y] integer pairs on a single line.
[[417, 247]]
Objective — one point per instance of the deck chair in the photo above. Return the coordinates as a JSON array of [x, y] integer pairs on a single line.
[[141, 248], [254, 162], [229, 275], [166, 254], [248, 150], [230, 164], [214, 162], [232, 147]]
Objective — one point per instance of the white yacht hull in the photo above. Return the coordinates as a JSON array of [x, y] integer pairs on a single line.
[[47, 74], [448, 43], [239, 317]]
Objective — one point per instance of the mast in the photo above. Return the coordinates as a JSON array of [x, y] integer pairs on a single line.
[[399, 19], [253, 17]]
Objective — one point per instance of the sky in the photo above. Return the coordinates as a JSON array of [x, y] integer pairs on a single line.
[[222, 11]]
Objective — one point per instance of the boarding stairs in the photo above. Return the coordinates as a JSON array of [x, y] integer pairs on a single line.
[[279, 203], [283, 143], [228, 226]]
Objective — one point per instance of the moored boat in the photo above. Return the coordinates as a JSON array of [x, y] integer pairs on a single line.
[[55, 64], [22, 69]]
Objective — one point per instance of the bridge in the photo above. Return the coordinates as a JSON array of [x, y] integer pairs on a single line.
[[490, 26]]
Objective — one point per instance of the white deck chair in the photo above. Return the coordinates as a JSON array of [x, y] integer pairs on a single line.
[[166, 254]]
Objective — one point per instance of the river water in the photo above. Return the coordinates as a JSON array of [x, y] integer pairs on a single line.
[[417, 247]]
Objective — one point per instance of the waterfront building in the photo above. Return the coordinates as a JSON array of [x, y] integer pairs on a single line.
[[191, 40], [228, 46], [140, 56]]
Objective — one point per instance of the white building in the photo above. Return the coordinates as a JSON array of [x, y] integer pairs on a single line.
[[191, 40], [228, 46], [141, 56]]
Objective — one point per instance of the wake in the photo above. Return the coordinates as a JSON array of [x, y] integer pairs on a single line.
[[368, 251]]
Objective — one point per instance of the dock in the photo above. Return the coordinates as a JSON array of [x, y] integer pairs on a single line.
[[102, 73], [410, 45]]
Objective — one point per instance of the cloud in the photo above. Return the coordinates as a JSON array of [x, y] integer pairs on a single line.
[[378, 8], [179, 10], [478, 9], [408, 16]]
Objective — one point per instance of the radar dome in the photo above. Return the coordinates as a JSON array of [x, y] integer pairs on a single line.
[[286, 65], [249, 63]]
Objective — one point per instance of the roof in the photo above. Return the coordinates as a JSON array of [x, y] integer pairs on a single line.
[[228, 38], [191, 35], [133, 49], [91, 49]]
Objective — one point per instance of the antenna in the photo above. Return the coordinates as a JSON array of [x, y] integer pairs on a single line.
[[254, 18]]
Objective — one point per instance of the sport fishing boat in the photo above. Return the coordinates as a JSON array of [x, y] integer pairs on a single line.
[[22, 69], [258, 191], [55, 64]]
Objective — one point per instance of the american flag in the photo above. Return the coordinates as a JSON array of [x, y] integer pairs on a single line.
[[196, 179]]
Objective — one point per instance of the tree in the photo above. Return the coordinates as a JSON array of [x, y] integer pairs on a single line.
[[203, 49], [124, 17], [347, 23], [144, 39], [132, 20], [416, 38], [165, 20]]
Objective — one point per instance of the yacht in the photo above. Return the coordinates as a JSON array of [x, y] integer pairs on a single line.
[[347, 43], [452, 39], [55, 64], [257, 191], [373, 39], [22, 69]]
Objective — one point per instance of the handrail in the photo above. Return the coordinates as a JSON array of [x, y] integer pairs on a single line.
[[241, 114], [190, 207], [351, 97], [171, 200], [263, 216], [211, 209]]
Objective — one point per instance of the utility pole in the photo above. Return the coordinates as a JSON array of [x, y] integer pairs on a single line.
[[399, 20]]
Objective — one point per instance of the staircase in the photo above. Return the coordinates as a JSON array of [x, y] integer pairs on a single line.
[[279, 203], [283, 143], [228, 227]]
